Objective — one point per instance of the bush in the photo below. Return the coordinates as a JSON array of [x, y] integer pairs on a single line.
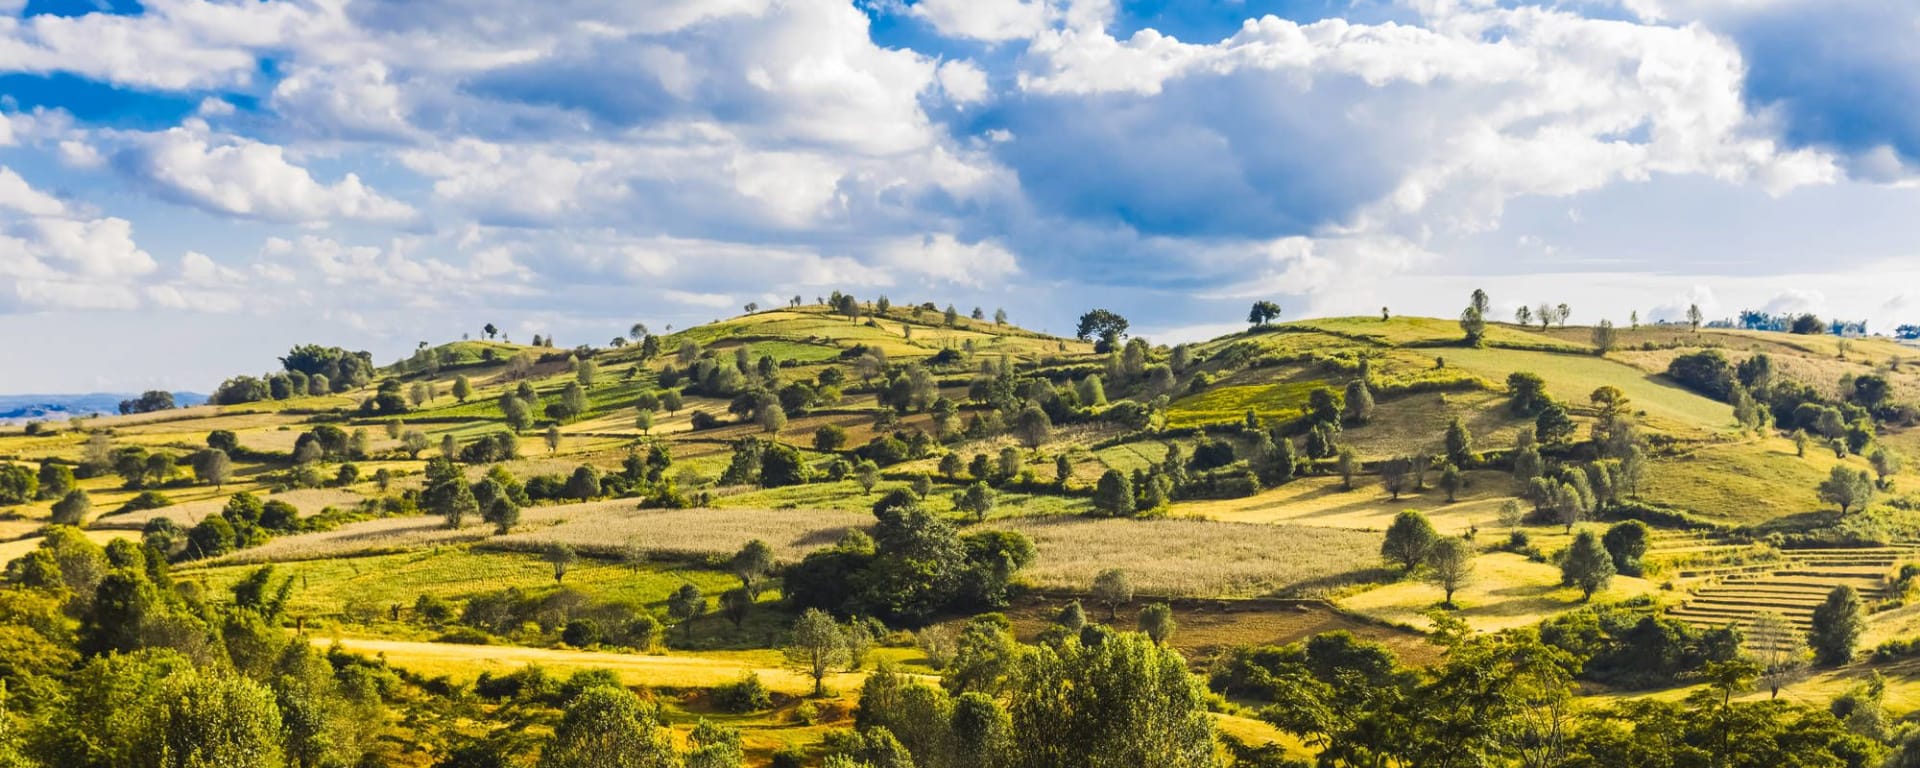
[[745, 695], [465, 636], [146, 500], [581, 633]]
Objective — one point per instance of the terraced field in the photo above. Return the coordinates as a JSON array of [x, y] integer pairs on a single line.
[[1793, 586]]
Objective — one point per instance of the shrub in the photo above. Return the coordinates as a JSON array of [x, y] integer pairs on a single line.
[[745, 695]]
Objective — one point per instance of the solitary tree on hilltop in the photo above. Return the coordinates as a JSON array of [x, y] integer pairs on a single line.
[[490, 330], [1263, 313]]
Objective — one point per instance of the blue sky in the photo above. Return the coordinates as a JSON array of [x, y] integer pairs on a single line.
[[188, 187]]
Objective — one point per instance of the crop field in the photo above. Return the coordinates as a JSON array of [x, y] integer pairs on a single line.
[[322, 588], [1507, 591], [1193, 558], [1229, 400]]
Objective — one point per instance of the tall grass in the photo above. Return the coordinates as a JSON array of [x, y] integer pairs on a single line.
[[1193, 558]]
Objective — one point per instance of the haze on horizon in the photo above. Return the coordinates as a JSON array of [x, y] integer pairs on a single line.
[[244, 176]]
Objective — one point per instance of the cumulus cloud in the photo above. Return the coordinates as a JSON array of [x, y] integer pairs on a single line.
[[239, 176], [989, 20], [945, 258]]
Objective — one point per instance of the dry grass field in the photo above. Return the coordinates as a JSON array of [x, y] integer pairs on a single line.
[[1321, 501], [1193, 558], [1507, 591]]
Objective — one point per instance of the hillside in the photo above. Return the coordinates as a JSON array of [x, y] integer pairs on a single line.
[[656, 459]]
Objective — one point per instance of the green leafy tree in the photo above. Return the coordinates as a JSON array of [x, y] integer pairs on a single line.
[[1409, 538], [1837, 625], [1112, 589], [562, 558], [1459, 443], [830, 437], [72, 509], [1156, 622], [686, 605], [1263, 313], [1553, 426], [1107, 327], [1587, 565], [1626, 543], [867, 475], [1113, 495], [978, 500], [1850, 488], [1359, 402], [462, 388], [752, 564], [606, 726], [1123, 702], [816, 647]]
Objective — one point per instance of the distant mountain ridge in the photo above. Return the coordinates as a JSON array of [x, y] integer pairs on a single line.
[[16, 408]]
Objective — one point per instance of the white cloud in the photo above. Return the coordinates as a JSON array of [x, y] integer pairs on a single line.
[[943, 257], [242, 177], [989, 20], [99, 248], [963, 82], [17, 195]]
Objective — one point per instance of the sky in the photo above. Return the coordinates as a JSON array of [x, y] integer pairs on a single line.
[[190, 187]]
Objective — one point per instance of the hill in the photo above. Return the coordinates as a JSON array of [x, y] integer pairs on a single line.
[[1229, 477]]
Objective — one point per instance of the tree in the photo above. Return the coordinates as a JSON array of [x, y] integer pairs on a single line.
[[1033, 426], [1694, 317], [462, 388], [606, 726], [414, 441], [1837, 624], [1409, 538], [1452, 481], [1626, 543], [1106, 326], [1113, 494], [1850, 488], [1460, 444], [1156, 622], [553, 438], [72, 509], [562, 558], [1587, 565], [584, 483], [1553, 425], [867, 474], [213, 467], [1359, 402], [1120, 702], [1346, 461], [751, 564], [1886, 463], [817, 646], [1529, 393], [830, 437], [1604, 337], [685, 605], [999, 317], [1779, 647], [1473, 319], [1450, 565], [1396, 475], [978, 500], [1263, 313], [1112, 589]]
